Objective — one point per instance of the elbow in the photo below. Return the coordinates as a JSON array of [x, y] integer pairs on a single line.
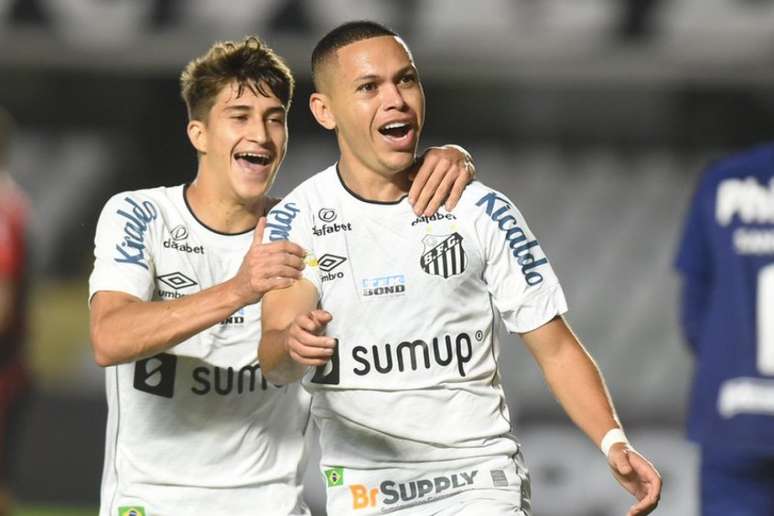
[[273, 377], [100, 347], [270, 367]]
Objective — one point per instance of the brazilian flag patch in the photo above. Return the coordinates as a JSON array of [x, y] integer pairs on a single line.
[[334, 476], [133, 510]]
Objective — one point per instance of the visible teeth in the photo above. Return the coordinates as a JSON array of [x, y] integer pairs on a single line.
[[395, 125], [254, 157]]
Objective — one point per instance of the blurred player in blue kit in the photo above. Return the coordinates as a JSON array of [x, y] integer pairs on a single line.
[[726, 261], [193, 426], [393, 328]]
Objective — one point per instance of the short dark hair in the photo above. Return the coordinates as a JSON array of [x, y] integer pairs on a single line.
[[342, 36], [248, 62]]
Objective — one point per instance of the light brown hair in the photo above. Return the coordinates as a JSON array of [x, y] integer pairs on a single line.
[[250, 63]]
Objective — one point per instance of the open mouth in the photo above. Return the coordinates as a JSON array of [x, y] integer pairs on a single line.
[[395, 129], [253, 158]]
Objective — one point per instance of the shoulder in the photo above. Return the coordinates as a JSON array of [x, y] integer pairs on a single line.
[[479, 200], [297, 205], [147, 200], [752, 161], [319, 186]]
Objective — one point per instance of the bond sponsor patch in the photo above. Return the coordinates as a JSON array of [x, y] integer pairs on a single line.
[[443, 255]]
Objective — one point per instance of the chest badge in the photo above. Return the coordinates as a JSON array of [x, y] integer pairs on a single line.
[[443, 255]]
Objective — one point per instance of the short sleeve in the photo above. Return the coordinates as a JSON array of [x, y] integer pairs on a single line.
[[291, 219], [123, 259], [521, 281]]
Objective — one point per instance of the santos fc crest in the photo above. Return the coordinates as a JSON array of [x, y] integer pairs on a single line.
[[443, 255]]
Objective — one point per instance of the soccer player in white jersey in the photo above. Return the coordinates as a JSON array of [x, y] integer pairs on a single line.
[[393, 326], [193, 426]]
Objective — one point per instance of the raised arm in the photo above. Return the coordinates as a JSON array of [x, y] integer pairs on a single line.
[[292, 333], [577, 383], [125, 328]]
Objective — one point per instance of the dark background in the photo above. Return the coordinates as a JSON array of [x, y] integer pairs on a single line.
[[594, 116]]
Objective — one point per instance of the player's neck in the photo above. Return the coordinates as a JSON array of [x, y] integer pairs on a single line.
[[222, 212], [372, 185]]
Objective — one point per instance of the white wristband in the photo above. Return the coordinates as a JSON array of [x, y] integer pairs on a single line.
[[613, 436]]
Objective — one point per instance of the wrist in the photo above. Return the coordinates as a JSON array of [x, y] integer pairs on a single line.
[[613, 436], [238, 294]]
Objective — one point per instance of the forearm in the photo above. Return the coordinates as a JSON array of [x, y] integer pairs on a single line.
[[276, 363], [137, 330], [577, 384]]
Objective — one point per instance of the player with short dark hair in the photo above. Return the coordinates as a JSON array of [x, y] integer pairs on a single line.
[[393, 328], [193, 426]]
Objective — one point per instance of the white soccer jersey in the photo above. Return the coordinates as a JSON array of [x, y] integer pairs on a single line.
[[411, 408], [196, 430]]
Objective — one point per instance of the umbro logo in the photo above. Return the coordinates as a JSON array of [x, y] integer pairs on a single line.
[[177, 280], [327, 263]]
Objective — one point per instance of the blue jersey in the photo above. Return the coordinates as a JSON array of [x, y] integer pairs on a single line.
[[726, 259]]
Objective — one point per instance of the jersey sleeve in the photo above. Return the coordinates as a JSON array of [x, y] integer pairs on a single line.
[[521, 281], [123, 245], [291, 219]]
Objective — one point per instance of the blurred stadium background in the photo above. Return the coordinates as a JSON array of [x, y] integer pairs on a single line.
[[594, 115]]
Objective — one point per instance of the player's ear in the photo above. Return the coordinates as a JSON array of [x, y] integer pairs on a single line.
[[319, 103], [197, 134]]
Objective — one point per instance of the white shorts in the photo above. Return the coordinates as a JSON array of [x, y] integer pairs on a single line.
[[494, 486], [491, 502]]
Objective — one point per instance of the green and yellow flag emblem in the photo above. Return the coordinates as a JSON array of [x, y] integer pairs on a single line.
[[334, 476]]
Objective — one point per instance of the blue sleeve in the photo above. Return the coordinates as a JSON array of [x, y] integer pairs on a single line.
[[695, 262]]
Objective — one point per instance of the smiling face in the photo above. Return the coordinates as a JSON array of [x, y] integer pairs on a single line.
[[371, 94], [242, 142]]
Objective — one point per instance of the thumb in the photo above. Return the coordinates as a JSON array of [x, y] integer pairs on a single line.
[[622, 464], [322, 317], [259, 229]]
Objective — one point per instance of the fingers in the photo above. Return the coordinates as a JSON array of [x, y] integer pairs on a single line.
[[441, 193], [306, 345], [259, 229], [421, 174], [443, 174], [459, 186], [436, 175], [283, 246], [321, 317], [277, 283], [644, 482]]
